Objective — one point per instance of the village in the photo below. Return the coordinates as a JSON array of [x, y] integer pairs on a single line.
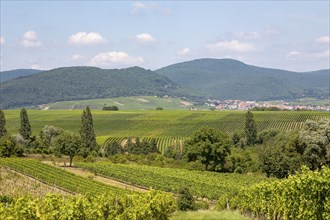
[[274, 105]]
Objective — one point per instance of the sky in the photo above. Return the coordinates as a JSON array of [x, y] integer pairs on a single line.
[[290, 35]]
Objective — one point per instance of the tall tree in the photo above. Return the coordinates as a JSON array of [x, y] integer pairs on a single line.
[[87, 130], [210, 147], [250, 129], [3, 130], [25, 129]]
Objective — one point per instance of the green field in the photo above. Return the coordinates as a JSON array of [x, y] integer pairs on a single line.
[[124, 103], [166, 123], [201, 183]]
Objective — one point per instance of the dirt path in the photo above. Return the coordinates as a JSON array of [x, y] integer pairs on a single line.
[[108, 181]]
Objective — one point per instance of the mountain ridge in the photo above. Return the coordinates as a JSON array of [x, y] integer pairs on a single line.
[[232, 79], [211, 78]]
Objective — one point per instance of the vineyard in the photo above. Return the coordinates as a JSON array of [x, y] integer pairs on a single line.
[[59, 178], [153, 205], [301, 196], [162, 142], [202, 184], [160, 124]]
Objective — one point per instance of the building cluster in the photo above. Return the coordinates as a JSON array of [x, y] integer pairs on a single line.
[[246, 105]]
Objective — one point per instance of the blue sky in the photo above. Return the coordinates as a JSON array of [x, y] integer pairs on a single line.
[[292, 35]]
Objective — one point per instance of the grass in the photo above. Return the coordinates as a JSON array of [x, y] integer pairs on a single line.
[[208, 215], [152, 123], [123, 103]]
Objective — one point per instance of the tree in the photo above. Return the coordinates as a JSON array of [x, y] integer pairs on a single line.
[[250, 129], [48, 133], [3, 130], [314, 141], [280, 155], [87, 130], [68, 144], [210, 147], [25, 129]]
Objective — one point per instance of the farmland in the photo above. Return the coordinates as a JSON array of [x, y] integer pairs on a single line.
[[203, 184], [59, 178], [124, 103], [166, 123]]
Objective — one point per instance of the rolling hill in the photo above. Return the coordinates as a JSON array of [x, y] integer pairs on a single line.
[[232, 79], [79, 83], [13, 74]]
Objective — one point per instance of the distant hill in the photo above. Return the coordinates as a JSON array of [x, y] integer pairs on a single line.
[[232, 79], [12, 74], [124, 103], [78, 83]]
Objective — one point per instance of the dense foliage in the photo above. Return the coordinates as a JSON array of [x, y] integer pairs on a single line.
[[153, 205], [284, 153], [301, 196], [208, 146], [314, 142], [231, 79]]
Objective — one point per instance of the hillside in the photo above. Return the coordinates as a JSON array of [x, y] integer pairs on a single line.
[[78, 83], [124, 103], [231, 79], [12, 74]]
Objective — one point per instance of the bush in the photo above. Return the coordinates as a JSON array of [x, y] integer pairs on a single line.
[[186, 200], [110, 108]]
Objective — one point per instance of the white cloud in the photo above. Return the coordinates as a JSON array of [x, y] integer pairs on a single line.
[[293, 55], [323, 39], [2, 40], [84, 38], [139, 7], [308, 55], [30, 39], [145, 38], [247, 35], [115, 58], [233, 45], [183, 52], [75, 57], [36, 67]]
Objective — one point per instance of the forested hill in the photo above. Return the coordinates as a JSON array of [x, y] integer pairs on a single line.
[[232, 79], [12, 74], [76, 83]]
